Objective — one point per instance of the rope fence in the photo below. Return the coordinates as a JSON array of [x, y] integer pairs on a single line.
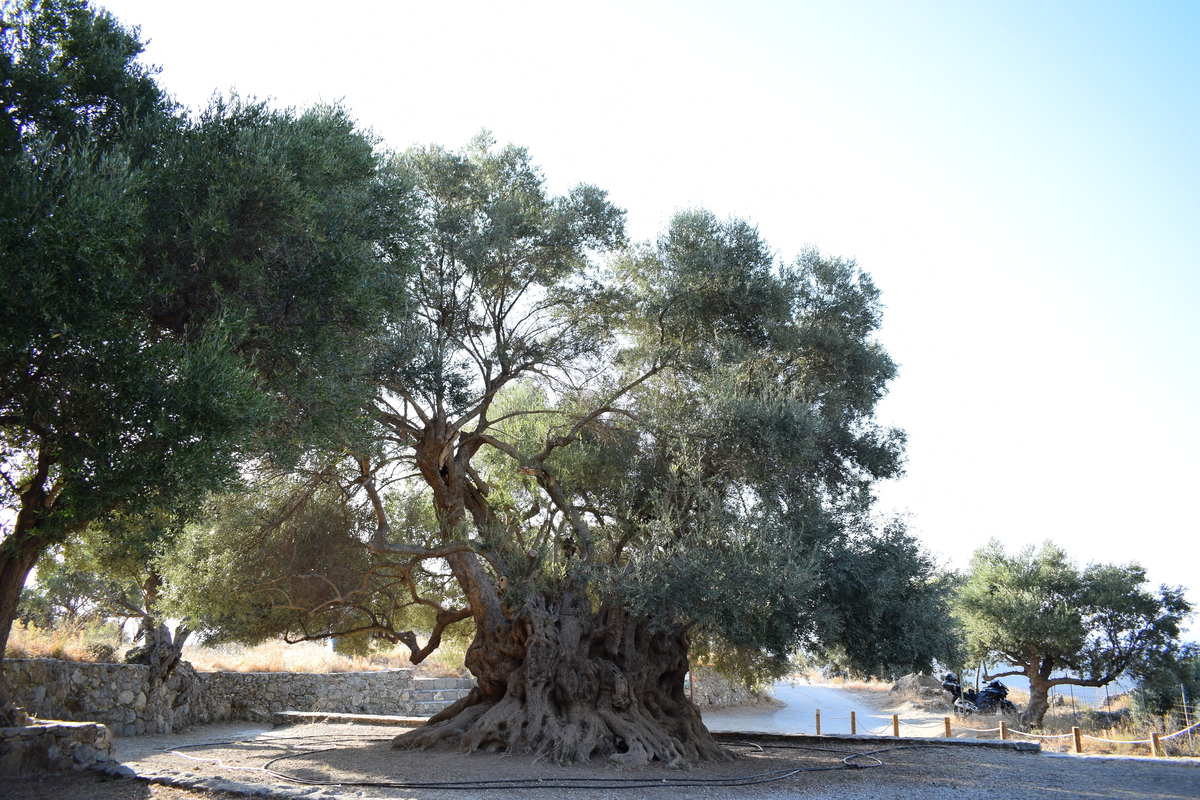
[[893, 729], [1033, 735], [1185, 730]]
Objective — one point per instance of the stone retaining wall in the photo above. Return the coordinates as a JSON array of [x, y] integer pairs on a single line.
[[714, 691], [257, 695], [119, 695], [53, 747]]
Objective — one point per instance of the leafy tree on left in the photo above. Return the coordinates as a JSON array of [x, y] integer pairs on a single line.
[[178, 295]]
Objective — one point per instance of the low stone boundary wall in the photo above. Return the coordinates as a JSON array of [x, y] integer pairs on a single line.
[[53, 747], [257, 695], [119, 695]]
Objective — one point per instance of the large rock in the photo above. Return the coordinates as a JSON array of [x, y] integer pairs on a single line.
[[916, 686], [711, 690]]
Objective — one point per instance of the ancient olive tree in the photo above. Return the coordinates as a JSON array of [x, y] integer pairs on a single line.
[[592, 456], [174, 291], [1057, 625]]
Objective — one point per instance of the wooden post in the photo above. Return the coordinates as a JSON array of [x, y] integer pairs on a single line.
[[948, 734], [896, 725], [853, 724], [1156, 745], [1003, 729], [818, 722], [1078, 734]]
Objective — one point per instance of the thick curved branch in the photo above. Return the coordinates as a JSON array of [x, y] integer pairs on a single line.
[[502, 446], [445, 618], [121, 606], [383, 630]]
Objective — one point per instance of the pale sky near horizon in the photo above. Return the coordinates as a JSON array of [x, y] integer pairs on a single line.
[[1021, 179]]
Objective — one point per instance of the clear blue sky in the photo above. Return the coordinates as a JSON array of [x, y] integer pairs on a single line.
[[1022, 179]]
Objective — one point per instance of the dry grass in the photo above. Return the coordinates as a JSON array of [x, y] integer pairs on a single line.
[[65, 645], [1124, 737], [1124, 733], [1127, 736], [277, 656], [871, 684], [89, 645]]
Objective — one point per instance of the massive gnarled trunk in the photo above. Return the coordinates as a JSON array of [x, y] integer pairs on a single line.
[[558, 679]]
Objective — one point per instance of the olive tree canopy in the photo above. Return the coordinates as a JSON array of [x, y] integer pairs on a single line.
[[595, 456], [179, 295]]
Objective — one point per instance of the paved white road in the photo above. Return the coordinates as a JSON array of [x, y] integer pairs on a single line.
[[802, 700]]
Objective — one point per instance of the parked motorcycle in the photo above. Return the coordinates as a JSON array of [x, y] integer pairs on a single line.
[[991, 700], [962, 703]]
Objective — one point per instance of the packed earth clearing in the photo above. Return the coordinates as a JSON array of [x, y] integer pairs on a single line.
[[325, 760]]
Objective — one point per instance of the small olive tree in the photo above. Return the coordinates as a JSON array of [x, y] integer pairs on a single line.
[[1059, 625]]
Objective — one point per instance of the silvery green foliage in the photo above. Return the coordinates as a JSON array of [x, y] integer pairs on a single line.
[[684, 427]]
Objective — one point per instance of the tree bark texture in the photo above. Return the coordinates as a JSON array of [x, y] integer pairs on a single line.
[[158, 651], [562, 681], [19, 551], [17, 557], [1039, 700]]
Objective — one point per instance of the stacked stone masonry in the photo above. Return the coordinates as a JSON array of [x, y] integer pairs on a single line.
[[53, 747], [713, 691], [119, 695]]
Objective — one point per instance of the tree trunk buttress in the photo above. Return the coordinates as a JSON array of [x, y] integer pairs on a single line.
[[562, 681]]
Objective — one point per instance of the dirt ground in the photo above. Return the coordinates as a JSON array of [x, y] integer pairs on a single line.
[[355, 761]]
